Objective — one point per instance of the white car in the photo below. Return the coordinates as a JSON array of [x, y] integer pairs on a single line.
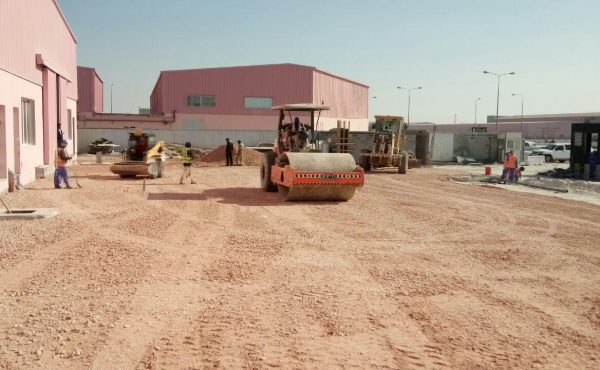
[[530, 146], [555, 152]]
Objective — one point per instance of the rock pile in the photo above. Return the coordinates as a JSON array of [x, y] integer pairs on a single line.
[[251, 157]]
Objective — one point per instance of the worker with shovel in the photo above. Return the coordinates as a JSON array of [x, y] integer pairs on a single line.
[[60, 162]]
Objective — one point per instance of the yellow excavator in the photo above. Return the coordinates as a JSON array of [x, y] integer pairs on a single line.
[[144, 156]]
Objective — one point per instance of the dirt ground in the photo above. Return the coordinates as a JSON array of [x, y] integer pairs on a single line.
[[417, 271]]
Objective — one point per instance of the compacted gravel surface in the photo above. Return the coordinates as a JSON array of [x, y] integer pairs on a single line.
[[416, 271]]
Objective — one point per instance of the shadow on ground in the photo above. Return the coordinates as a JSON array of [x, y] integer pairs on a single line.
[[247, 197]]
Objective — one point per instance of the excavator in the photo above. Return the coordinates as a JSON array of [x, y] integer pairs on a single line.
[[299, 173], [144, 156]]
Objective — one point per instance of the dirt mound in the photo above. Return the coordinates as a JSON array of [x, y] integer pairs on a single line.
[[251, 157]]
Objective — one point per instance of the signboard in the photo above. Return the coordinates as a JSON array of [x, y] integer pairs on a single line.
[[478, 129]]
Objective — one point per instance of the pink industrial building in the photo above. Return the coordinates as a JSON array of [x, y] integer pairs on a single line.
[[240, 98], [90, 89], [38, 86]]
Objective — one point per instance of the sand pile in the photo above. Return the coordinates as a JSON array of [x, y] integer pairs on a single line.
[[251, 157]]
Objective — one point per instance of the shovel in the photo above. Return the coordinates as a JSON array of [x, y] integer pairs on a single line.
[[5, 206], [75, 177]]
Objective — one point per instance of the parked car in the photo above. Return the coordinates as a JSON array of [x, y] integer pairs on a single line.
[[555, 152], [530, 146]]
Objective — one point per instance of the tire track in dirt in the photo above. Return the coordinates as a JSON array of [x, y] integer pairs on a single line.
[[170, 301], [224, 329], [323, 300]]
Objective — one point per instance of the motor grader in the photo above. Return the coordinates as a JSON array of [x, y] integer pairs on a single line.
[[386, 141], [300, 173], [144, 156]]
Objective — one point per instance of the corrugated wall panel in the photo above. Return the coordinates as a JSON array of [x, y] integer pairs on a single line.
[[284, 83], [156, 100], [85, 103], [98, 94], [346, 98], [40, 29]]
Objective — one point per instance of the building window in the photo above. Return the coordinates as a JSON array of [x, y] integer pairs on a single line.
[[27, 121], [201, 101], [260, 103]]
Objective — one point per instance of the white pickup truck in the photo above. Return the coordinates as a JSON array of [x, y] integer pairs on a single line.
[[554, 152]]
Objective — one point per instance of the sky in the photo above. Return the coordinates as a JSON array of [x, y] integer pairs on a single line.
[[442, 46]]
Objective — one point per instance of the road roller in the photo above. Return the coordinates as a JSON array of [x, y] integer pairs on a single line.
[[144, 156], [298, 169]]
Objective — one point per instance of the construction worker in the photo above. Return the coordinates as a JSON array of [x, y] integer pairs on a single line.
[[60, 163], [228, 152], [239, 154], [59, 134], [187, 157], [510, 166]]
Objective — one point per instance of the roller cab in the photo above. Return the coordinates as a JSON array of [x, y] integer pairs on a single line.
[[299, 172]]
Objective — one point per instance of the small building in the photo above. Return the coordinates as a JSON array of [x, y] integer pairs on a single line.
[[90, 88], [38, 87], [585, 142], [240, 98], [541, 127]]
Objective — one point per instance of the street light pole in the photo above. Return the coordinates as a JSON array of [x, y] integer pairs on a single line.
[[409, 90], [111, 87], [522, 98], [498, 93], [476, 101]]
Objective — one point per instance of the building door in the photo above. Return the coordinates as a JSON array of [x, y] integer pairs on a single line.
[[3, 151], [17, 136]]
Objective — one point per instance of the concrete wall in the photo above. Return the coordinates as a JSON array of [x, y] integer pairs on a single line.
[[479, 147], [198, 138], [442, 147]]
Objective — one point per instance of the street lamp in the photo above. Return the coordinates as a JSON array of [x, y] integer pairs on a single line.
[[409, 90], [111, 86], [476, 101], [498, 94], [522, 98]]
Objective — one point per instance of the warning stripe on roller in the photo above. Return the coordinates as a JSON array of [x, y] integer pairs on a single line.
[[326, 176]]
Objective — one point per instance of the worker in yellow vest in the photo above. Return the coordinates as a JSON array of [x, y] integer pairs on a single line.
[[187, 157], [60, 163]]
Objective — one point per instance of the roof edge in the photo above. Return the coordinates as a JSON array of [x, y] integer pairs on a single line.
[[244, 66], [341, 78], [65, 20], [93, 70]]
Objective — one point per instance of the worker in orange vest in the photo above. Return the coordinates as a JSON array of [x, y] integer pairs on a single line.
[[60, 163], [510, 166]]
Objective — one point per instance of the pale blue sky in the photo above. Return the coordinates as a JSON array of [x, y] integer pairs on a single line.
[[553, 46]]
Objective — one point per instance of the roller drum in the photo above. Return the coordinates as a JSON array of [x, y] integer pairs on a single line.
[[318, 162]]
